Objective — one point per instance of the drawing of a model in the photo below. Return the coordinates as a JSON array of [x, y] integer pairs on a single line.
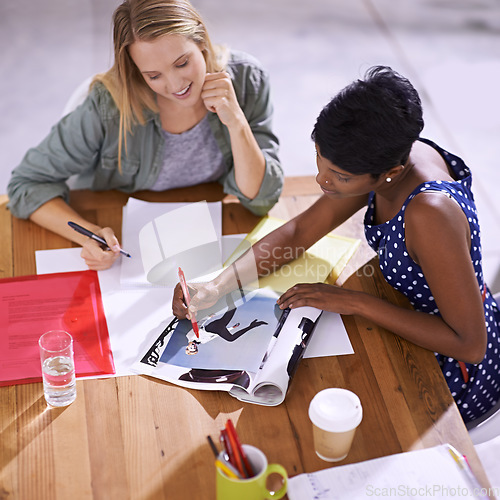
[[219, 327]]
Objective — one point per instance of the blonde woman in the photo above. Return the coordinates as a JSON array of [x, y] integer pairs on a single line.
[[173, 111]]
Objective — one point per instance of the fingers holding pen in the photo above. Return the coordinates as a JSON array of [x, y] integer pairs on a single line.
[[99, 249], [111, 240], [96, 258], [202, 297]]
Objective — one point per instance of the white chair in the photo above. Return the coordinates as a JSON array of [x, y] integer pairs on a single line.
[[487, 427], [78, 96]]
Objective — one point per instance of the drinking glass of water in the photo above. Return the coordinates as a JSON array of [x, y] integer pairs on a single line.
[[58, 367]]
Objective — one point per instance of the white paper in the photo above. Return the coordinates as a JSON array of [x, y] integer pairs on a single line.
[[131, 313], [427, 473], [330, 337], [63, 260], [134, 315], [489, 454], [164, 236]]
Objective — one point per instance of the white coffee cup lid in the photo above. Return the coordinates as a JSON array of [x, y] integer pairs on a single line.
[[336, 410]]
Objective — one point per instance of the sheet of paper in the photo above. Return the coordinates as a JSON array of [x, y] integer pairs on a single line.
[[33, 305], [164, 236], [128, 330], [63, 260], [423, 473], [330, 338], [131, 313]]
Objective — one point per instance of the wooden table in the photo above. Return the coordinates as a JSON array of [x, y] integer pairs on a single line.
[[136, 437]]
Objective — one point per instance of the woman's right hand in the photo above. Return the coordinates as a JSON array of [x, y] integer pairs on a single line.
[[98, 258], [203, 296]]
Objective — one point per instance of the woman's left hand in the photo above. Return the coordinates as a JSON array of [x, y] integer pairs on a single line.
[[219, 97], [320, 295]]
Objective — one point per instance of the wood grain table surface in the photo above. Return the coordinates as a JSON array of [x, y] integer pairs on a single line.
[[135, 437]]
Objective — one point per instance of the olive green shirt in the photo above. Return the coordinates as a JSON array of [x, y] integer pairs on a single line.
[[85, 143]]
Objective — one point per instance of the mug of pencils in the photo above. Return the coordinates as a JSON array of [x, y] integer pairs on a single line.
[[232, 484]]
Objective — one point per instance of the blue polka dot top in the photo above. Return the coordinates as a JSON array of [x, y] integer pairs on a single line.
[[479, 390]]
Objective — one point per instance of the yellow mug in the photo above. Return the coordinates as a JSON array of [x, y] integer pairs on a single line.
[[253, 488]]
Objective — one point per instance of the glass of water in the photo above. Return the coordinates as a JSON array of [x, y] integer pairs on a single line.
[[58, 367]]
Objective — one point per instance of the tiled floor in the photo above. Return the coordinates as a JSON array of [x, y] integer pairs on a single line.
[[450, 49]]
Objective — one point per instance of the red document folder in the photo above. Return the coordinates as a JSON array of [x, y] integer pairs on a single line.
[[33, 305]]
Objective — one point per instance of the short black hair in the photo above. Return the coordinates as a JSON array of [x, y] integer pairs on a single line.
[[370, 125]]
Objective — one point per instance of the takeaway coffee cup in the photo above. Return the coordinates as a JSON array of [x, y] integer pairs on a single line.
[[335, 415]]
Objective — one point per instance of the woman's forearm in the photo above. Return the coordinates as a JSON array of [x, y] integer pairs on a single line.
[[54, 216], [249, 162], [426, 330]]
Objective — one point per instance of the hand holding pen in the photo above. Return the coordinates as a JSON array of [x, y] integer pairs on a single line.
[[93, 236], [187, 299]]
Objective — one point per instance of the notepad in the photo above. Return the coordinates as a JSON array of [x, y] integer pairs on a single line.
[[427, 473], [161, 237], [327, 258]]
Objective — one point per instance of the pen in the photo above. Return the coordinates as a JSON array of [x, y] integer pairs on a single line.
[[246, 464], [187, 298], [227, 447], [212, 446], [90, 234], [274, 338], [238, 461]]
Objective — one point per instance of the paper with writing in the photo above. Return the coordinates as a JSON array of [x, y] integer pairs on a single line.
[[33, 305], [426, 473]]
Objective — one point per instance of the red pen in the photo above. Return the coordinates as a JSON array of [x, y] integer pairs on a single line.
[[187, 298], [232, 431], [236, 452], [224, 438]]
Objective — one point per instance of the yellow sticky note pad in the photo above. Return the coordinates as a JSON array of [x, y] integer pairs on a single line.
[[325, 259]]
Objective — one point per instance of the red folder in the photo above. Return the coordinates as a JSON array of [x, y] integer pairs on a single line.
[[33, 305]]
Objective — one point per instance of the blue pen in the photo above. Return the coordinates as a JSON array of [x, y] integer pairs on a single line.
[[90, 234]]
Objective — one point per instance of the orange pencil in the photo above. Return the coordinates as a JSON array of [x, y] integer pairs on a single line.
[[235, 438], [232, 431]]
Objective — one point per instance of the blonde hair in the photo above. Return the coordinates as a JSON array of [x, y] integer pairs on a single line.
[[147, 20]]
